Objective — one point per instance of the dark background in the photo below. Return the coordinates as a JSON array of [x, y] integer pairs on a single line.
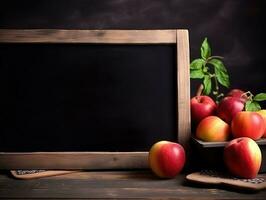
[[235, 28]]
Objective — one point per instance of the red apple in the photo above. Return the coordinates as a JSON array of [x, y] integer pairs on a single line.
[[248, 124], [238, 94], [242, 157], [263, 114], [167, 159], [213, 129], [229, 107], [201, 107]]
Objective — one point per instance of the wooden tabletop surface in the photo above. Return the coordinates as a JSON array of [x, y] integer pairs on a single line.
[[115, 185]]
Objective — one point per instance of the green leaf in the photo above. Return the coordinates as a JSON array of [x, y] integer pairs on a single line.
[[222, 77], [218, 64], [207, 83], [196, 73], [220, 72], [197, 64], [260, 97], [252, 106], [205, 49]]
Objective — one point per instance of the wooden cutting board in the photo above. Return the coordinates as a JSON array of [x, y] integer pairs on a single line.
[[219, 178], [32, 174]]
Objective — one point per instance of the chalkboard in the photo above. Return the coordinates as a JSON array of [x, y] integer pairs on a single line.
[[73, 93]]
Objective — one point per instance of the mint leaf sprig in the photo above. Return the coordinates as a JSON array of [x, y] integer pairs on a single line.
[[252, 103], [211, 70]]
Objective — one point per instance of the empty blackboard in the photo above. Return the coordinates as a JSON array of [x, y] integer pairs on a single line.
[[95, 93]]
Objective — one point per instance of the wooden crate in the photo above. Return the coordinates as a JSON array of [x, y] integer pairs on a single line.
[[210, 154]]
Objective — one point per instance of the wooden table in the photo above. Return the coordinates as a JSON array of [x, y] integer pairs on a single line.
[[114, 185]]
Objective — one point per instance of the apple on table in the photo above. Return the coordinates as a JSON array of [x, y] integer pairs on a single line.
[[167, 159]]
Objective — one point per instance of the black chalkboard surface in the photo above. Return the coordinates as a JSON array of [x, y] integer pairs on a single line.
[[83, 97], [91, 99]]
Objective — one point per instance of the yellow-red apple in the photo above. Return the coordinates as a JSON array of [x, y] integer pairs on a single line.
[[201, 107], [213, 129], [248, 124], [263, 114], [242, 157], [167, 159]]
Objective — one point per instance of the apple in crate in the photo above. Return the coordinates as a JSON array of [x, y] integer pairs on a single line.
[[213, 129], [248, 124], [229, 107], [167, 159], [242, 157], [238, 94], [263, 114], [201, 107]]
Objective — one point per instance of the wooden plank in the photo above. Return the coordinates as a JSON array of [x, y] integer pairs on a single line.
[[219, 178], [74, 160], [183, 88], [88, 36], [204, 144], [114, 185]]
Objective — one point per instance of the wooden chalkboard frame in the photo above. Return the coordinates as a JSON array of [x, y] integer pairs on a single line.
[[104, 160]]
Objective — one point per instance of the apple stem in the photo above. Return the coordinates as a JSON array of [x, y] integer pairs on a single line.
[[199, 90], [248, 94], [216, 91]]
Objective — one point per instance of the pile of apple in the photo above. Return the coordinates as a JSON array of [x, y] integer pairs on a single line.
[[217, 123], [228, 121]]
